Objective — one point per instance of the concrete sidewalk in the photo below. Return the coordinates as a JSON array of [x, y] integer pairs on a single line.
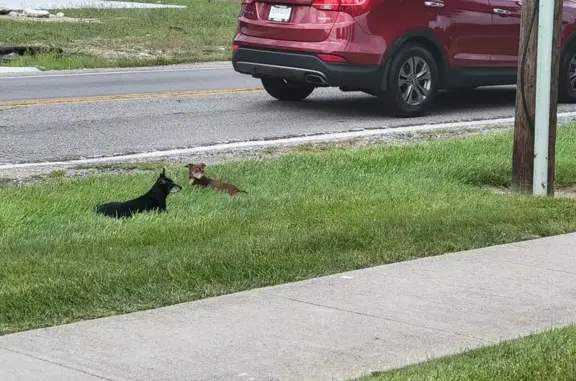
[[332, 328]]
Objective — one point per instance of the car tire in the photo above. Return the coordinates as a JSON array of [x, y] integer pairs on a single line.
[[286, 91], [567, 79], [410, 96]]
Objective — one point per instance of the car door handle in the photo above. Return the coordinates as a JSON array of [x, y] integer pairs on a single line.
[[434, 4], [502, 12]]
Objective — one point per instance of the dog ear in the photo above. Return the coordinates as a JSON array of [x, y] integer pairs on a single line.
[[187, 166], [202, 165]]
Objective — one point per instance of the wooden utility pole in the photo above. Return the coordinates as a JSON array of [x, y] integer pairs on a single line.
[[523, 148]]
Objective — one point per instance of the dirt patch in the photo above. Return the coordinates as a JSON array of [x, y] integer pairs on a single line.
[[118, 48], [559, 192], [174, 47], [566, 192]]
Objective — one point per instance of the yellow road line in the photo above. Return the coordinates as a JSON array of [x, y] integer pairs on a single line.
[[123, 97]]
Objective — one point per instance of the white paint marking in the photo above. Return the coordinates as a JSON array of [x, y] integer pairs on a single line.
[[113, 72], [18, 69], [285, 141], [346, 277]]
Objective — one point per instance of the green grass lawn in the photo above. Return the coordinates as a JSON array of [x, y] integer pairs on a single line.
[[548, 356], [201, 32], [305, 215]]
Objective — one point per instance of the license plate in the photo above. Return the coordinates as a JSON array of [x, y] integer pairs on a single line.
[[280, 13]]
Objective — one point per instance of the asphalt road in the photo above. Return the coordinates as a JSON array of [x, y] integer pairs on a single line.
[[103, 82], [45, 131]]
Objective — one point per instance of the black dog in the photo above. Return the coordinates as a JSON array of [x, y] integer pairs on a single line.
[[153, 200]]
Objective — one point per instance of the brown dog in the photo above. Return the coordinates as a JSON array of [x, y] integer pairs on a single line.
[[196, 176]]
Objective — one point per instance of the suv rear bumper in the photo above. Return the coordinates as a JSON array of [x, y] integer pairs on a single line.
[[298, 66]]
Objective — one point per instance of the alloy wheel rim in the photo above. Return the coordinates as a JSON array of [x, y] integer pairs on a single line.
[[415, 80]]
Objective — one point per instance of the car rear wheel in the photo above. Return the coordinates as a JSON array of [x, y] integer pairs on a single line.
[[411, 82], [567, 82], [285, 90]]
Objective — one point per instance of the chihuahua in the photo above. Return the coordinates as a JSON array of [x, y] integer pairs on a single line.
[[197, 177]]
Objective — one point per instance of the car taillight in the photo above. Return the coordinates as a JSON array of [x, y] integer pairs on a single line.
[[352, 7], [332, 58], [235, 48]]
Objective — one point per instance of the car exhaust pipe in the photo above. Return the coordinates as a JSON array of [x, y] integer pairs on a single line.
[[317, 80]]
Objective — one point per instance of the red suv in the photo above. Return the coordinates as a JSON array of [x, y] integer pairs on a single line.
[[402, 51]]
